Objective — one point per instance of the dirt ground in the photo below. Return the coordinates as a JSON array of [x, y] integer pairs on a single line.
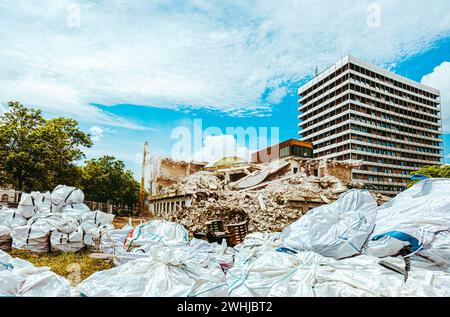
[[120, 222]]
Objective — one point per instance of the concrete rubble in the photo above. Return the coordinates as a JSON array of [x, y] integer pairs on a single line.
[[347, 247], [268, 196]]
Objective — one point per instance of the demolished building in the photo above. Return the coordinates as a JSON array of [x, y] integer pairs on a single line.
[[268, 196]]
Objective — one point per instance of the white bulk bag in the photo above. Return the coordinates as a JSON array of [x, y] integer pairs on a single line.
[[33, 237], [43, 201], [93, 237], [56, 221], [308, 274], [418, 218], [79, 207], [162, 274], [64, 195], [338, 230], [5, 238], [12, 218], [157, 231], [112, 241], [96, 219], [67, 242], [21, 278], [27, 206]]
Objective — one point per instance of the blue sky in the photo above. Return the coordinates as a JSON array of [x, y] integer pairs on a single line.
[[136, 71]]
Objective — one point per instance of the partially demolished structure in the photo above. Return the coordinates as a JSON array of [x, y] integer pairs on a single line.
[[268, 196]]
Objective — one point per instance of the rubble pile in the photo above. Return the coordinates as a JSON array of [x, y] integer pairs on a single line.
[[331, 251], [349, 247], [267, 209]]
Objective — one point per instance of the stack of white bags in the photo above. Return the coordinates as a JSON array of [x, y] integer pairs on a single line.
[[53, 222]]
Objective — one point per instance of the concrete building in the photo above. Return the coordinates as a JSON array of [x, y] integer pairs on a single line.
[[8, 197], [355, 110], [289, 148]]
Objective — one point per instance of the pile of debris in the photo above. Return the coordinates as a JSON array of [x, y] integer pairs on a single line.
[[269, 198], [351, 247], [57, 221]]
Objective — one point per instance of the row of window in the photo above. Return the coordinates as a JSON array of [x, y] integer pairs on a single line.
[[392, 91], [391, 81]]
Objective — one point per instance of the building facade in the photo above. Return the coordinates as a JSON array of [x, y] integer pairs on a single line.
[[357, 111], [289, 148], [8, 197]]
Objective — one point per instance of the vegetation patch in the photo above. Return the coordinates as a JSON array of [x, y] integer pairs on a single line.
[[74, 266]]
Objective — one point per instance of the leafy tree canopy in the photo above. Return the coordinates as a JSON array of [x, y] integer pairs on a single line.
[[435, 171], [106, 180], [38, 154]]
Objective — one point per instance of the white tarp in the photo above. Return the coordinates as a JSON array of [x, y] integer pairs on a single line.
[[164, 273], [157, 232], [21, 278], [308, 274], [338, 230], [418, 218]]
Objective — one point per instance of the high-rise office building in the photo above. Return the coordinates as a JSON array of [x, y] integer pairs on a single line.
[[355, 110]]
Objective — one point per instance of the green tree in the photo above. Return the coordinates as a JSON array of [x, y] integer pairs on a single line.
[[38, 154], [434, 171], [106, 180]]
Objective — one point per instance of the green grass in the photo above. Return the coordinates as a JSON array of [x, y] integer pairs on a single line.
[[74, 266]]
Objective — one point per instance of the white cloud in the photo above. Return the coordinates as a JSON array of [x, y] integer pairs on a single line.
[[222, 55], [440, 79], [97, 133], [217, 147]]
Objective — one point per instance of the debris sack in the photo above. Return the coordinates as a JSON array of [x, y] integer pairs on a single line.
[[157, 232], [64, 195], [67, 242], [338, 230], [11, 218], [34, 237], [112, 242], [93, 237], [27, 206], [164, 273], [21, 278], [308, 274], [96, 219], [417, 218]]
